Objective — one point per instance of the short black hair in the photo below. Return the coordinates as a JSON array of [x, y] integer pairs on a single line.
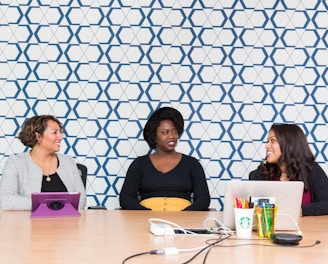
[[164, 113]]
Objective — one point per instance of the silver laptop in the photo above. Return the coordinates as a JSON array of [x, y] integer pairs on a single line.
[[288, 197]]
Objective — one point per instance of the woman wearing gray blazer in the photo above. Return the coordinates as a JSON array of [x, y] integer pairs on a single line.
[[41, 169]]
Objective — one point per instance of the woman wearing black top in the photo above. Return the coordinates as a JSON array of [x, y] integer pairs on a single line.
[[165, 180], [289, 158]]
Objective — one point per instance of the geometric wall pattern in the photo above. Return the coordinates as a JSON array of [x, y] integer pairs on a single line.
[[231, 67]]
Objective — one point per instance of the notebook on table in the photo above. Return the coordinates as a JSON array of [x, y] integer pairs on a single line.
[[288, 197], [55, 204]]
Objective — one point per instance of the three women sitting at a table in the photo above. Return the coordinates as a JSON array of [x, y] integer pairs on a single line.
[[162, 180]]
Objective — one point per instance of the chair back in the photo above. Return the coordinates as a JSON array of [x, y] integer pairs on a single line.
[[83, 172]]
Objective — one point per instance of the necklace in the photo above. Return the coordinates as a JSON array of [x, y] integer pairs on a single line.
[[48, 167]]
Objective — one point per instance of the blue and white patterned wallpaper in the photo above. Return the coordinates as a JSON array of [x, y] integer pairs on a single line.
[[231, 67]]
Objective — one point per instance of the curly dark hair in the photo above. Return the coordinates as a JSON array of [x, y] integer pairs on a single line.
[[164, 113], [296, 154], [33, 125]]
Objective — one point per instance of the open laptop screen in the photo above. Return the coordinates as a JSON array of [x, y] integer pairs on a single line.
[[288, 197]]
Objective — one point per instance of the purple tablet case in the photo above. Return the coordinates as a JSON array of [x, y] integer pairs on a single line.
[[55, 204]]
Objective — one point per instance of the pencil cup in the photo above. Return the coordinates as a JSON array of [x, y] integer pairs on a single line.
[[244, 222], [266, 218]]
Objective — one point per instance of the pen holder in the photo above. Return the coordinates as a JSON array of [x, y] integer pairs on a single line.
[[266, 219]]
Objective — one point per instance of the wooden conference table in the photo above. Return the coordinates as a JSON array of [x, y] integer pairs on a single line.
[[101, 236]]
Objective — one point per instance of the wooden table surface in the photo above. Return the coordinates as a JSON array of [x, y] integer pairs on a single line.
[[110, 236]]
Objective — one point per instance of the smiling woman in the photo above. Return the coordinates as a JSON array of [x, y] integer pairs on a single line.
[[42, 169], [165, 180], [289, 158]]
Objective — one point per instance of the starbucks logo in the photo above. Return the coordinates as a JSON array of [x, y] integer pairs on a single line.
[[245, 222]]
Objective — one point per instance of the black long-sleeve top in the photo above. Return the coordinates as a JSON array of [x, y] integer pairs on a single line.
[[318, 185], [183, 181]]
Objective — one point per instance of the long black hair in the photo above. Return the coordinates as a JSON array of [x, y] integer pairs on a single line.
[[296, 155]]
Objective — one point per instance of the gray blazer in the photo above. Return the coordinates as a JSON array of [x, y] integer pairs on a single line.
[[21, 177]]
